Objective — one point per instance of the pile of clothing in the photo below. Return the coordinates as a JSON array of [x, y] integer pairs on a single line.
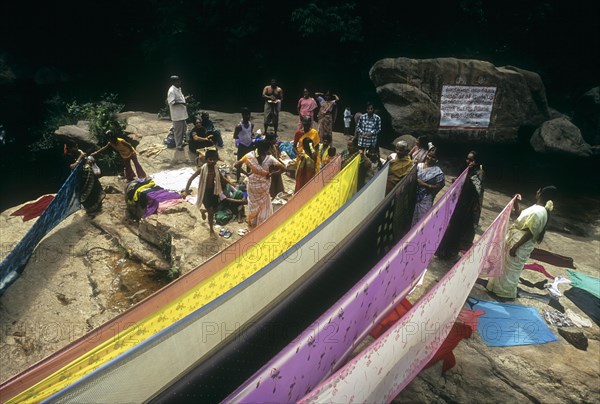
[[144, 198]]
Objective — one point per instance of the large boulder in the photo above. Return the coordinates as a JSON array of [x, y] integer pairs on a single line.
[[560, 136], [412, 91], [79, 134]]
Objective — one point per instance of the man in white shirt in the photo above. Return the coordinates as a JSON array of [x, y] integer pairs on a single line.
[[178, 109]]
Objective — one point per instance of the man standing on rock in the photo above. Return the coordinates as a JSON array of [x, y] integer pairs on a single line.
[[178, 109], [368, 128], [273, 95]]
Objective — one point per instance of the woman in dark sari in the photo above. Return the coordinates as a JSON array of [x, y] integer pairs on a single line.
[[465, 219]]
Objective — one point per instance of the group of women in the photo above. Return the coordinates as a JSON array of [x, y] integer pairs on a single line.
[[313, 149], [523, 234]]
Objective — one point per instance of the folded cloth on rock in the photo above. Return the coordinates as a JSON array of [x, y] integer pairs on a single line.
[[162, 206], [510, 324], [587, 302], [575, 338], [558, 319], [552, 258], [585, 282], [33, 209], [577, 319], [538, 268], [553, 287], [156, 197]]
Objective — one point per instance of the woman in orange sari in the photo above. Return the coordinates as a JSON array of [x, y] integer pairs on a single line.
[[306, 163], [262, 167]]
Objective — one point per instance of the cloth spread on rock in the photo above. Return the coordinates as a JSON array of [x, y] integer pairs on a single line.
[[557, 319], [553, 287], [585, 282], [511, 324], [577, 319], [155, 197], [551, 258], [33, 209], [173, 180], [587, 302], [538, 268]]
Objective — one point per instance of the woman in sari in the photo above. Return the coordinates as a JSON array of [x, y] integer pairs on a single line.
[[90, 190], [419, 152], [325, 114], [521, 238], [430, 180], [465, 219], [306, 163], [262, 166], [306, 107]]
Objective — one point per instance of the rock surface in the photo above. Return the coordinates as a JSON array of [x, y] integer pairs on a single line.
[[87, 270], [560, 136], [587, 115], [410, 90], [79, 133]]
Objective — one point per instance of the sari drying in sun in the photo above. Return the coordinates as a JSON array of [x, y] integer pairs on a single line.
[[465, 219], [532, 219], [259, 199]]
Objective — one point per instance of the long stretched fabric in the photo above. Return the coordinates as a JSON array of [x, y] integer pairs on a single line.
[[339, 265], [106, 342], [188, 340], [381, 371], [64, 204], [116, 366], [506, 324], [320, 349]]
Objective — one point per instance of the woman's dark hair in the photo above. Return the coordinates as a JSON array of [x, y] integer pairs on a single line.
[[263, 147], [306, 142], [546, 194], [423, 141]]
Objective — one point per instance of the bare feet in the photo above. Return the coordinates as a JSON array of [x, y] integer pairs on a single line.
[[213, 234], [203, 212]]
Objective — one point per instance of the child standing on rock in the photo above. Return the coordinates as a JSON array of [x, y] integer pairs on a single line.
[[210, 187], [127, 153]]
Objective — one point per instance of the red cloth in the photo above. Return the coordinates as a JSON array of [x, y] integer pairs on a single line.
[[399, 311], [552, 258], [34, 209], [457, 333], [464, 327], [538, 268]]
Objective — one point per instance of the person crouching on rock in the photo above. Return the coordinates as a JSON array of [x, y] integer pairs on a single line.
[[210, 186], [127, 153]]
